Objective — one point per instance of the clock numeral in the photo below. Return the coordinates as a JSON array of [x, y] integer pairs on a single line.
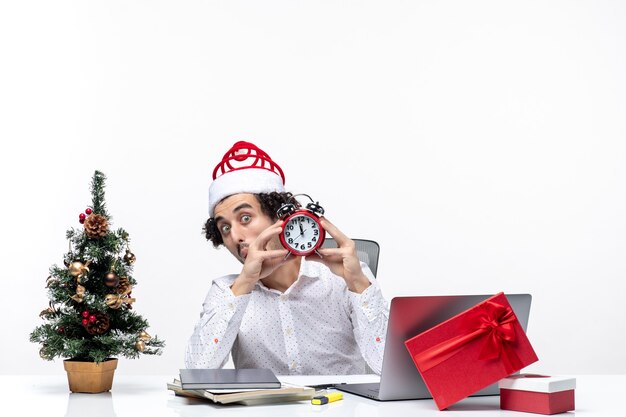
[[308, 244], [290, 240], [316, 232], [314, 239], [287, 234], [290, 226], [302, 246]]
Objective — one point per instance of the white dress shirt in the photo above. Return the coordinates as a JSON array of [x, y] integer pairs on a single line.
[[317, 326]]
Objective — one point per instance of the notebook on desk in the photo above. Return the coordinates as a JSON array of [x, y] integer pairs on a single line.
[[409, 316], [228, 379]]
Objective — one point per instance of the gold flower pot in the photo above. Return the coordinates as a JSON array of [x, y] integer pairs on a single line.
[[90, 377]]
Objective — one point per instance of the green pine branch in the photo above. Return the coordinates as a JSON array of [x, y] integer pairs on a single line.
[[97, 194]]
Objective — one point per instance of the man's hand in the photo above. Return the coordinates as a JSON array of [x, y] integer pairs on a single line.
[[343, 260], [260, 262]]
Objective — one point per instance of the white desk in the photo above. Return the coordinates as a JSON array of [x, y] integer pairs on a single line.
[[142, 396]]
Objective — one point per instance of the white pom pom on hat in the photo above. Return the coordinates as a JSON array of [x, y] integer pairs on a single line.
[[245, 168]]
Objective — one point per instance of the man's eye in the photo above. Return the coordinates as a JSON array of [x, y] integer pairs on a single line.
[[245, 218], [225, 228]]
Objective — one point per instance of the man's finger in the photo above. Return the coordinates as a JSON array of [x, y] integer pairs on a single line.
[[331, 252], [267, 234], [337, 234], [270, 254]]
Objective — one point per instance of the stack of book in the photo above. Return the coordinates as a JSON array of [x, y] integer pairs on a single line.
[[242, 386]]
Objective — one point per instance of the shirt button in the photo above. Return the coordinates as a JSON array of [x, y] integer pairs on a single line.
[[231, 306], [294, 365], [289, 331], [365, 304], [283, 297]]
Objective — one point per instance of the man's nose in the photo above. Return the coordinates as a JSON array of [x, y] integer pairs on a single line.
[[237, 233]]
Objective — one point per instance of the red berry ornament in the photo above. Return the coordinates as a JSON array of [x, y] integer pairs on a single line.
[[85, 322], [88, 210], [92, 318], [81, 216], [85, 314]]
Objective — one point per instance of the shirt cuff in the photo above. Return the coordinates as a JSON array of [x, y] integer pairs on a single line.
[[370, 303]]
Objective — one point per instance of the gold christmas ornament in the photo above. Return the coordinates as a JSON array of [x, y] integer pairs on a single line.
[[140, 345], [43, 354], [96, 226], [129, 257], [78, 269], [143, 335], [48, 311], [115, 301], [80, 293]]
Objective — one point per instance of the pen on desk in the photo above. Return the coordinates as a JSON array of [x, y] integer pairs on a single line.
[[327, 398]]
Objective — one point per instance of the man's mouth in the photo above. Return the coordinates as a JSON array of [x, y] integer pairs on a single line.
[[242, 250]]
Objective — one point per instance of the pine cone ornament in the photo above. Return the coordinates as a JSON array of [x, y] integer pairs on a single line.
[[124, 287], [99, 326], [96, 226]]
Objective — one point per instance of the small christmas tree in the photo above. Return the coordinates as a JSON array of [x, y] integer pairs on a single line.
[[90, 315]]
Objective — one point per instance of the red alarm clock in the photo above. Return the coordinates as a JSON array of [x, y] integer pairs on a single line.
[[302, 232]]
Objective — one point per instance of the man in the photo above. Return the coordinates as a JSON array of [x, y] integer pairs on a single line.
[[323, 314]]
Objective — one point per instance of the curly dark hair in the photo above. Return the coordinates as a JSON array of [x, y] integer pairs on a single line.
[[270, 203]]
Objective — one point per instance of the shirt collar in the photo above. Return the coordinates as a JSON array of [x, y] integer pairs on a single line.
[[308, 270]]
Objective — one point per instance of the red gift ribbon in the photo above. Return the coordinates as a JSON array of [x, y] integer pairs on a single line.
[[491, 321]]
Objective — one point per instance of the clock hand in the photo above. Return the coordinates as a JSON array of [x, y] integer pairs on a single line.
[[301, 229]]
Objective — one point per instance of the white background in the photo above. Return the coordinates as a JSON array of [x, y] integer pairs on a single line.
[[481, 143]]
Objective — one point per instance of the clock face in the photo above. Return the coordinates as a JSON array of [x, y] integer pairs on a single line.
[[302, 234]]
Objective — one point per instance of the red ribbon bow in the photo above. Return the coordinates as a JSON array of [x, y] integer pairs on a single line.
[[491, 321]]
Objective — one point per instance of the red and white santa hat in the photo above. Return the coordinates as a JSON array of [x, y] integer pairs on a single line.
[[245, 168]]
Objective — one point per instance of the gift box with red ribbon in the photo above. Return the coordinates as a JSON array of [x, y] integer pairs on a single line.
[[540, 394], [471, 351]]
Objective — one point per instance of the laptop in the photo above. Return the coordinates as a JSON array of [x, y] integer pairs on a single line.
[[409, 316]]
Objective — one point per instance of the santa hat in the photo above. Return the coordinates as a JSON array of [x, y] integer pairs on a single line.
[[244, 169]]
